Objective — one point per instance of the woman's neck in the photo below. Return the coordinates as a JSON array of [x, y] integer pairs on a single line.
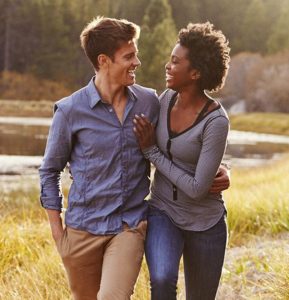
[[191, 97]]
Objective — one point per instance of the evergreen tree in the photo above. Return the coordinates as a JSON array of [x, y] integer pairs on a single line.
[[9, 13], [227, 16], [157, 39], [184, 12], [255, 27], [131, 10], [279, 38]]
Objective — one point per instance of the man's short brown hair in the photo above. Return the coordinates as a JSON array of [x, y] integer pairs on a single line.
[[105, 36]]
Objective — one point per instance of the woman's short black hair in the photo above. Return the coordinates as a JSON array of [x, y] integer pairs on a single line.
[[208, 52]]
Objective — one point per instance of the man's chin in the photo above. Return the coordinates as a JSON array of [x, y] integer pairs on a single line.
[[131, 82]]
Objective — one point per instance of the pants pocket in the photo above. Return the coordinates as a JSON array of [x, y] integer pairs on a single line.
[[142, 229], [60, 242]]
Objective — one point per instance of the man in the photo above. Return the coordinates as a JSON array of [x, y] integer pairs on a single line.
[[103, 241]]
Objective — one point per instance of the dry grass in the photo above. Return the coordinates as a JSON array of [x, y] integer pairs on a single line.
[[257, 202], [273, 123], [20, 108]]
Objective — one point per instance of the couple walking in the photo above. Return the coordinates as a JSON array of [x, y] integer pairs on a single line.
[[110, 132]]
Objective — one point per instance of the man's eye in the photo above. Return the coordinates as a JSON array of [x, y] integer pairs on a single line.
[[129, 56]]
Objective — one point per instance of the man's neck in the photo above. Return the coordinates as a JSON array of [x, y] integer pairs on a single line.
[[110, 92]]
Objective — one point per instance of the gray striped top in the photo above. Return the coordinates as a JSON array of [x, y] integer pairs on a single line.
[[186, 164]]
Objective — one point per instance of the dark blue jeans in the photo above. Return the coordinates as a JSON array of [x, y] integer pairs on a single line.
[[203, 254]]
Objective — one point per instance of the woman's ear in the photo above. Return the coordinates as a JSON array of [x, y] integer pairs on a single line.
[[195, 74]]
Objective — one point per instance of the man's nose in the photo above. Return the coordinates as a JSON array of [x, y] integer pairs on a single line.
[[137, 62]]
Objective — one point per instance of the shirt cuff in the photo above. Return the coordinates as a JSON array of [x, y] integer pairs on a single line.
[[54, 203], [150, 151]]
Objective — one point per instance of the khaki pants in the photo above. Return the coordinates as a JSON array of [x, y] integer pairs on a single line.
[[103, 267]]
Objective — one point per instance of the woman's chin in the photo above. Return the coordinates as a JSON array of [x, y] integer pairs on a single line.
[[169, 85]]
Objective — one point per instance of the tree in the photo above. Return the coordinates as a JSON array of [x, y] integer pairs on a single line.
[[131, 10], [279, 38], [156, 41], [184, 12], [9, 10], [267, 85], [256, 27]]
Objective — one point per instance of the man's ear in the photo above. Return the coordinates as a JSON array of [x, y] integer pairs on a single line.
[[102, 60], [195, 74]]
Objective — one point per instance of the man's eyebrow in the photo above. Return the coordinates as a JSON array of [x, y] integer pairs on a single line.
[[131, 53]]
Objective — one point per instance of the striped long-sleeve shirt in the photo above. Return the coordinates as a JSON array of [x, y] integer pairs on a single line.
[[186, 164]]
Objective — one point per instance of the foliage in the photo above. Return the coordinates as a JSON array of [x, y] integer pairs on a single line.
[[240, 68], [261, 81], [28, 108], [254, 26], [158, 38], [279, 38], [272, 123], [42, 36], [267, 86], [26, 87], [256, 207]]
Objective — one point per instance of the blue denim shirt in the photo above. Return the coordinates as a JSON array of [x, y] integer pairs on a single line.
[[110, 174]]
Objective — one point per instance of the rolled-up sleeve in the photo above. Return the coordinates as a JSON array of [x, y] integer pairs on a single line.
[[57, 153]]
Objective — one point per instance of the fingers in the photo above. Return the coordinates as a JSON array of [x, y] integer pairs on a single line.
[[142, 122], [142, 125], [221, 179], [217, 188], [220, 183]]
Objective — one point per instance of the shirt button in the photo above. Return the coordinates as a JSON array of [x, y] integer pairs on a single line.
[[110, 110]]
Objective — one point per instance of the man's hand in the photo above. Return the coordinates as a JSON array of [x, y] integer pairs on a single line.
[[55, 224], [221, 181]]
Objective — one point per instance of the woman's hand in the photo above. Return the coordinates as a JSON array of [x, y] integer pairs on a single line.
[[221, 181], [144, 131]]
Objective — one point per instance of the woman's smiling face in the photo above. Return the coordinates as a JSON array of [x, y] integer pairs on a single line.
[[179, 72]]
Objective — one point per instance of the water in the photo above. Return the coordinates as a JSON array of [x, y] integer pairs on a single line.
[[23, 140], [249, 149]]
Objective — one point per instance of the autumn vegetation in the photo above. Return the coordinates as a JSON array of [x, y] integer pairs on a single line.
[[255, 265], [41, 58]]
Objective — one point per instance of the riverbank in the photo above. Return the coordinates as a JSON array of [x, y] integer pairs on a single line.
[[21, 108], [255, 264], [272, 123]]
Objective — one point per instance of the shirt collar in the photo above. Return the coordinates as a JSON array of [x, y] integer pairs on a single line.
[[94, 97]]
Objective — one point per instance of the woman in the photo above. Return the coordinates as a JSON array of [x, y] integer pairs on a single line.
[[185, 218]]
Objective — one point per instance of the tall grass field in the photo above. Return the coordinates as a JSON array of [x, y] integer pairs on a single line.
[[256, 264]]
